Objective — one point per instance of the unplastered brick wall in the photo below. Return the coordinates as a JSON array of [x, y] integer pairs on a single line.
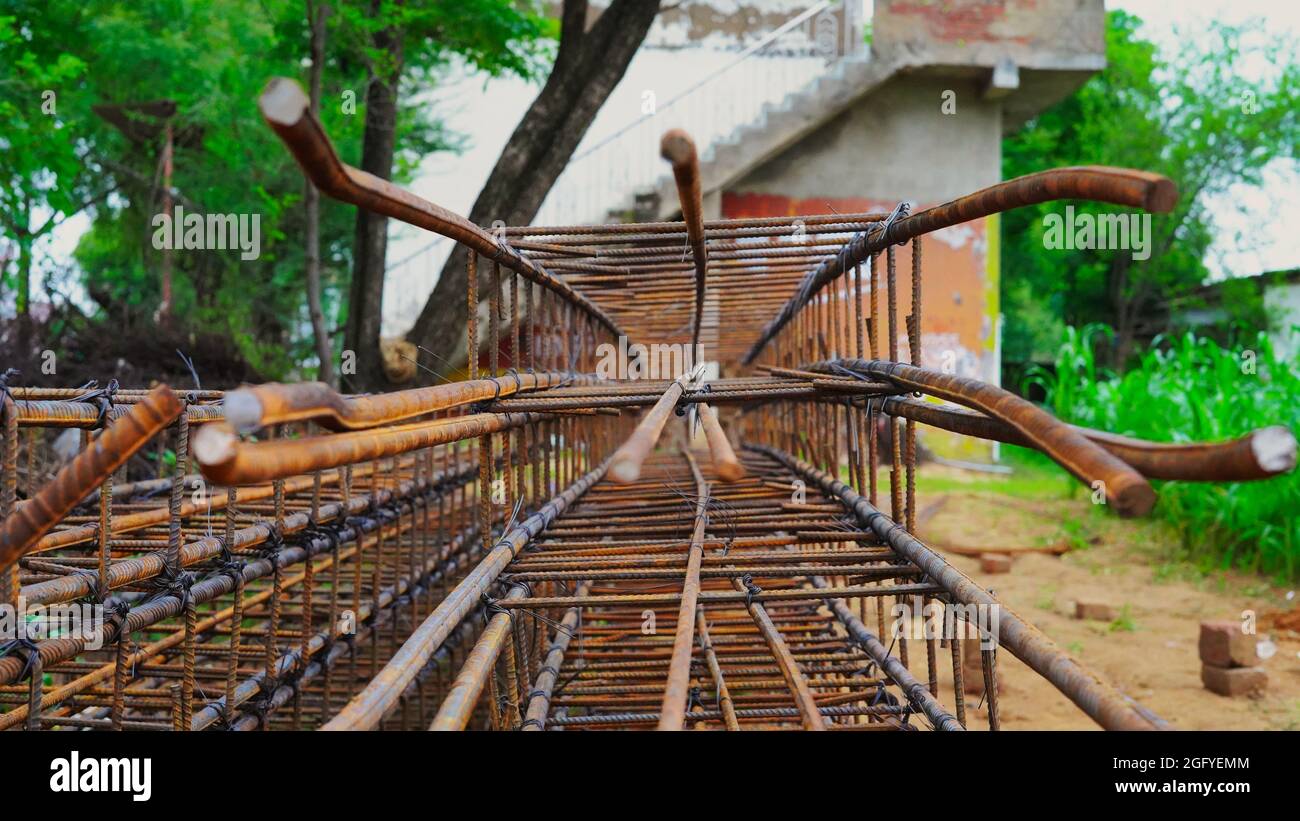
[[1032, 33]]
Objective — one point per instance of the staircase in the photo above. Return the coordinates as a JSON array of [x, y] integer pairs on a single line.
[[741, 114], [777, 127]]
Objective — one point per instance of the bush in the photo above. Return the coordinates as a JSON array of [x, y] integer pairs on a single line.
[[1189, 388]]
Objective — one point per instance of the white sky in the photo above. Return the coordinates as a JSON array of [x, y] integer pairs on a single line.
[[1254, 232], [1253, 239]]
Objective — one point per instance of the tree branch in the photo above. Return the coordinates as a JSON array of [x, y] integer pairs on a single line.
[[538, 151], [52, 223], [573, 31]]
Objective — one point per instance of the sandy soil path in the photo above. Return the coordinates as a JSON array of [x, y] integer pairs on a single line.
[[1150, 650]]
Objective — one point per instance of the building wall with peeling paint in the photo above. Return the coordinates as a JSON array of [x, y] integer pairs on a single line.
[[737, 24], [897, 145], [900, 142]]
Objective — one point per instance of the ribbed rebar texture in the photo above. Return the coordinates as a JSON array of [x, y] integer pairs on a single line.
[[587, 532]]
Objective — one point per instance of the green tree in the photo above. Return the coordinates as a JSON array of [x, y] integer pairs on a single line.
[[208, 61], [1193, 117], [43, 179], [401, 46], [102, 60], [211, 59]]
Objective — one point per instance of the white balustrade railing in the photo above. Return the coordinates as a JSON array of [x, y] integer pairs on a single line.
[[610, 167], [605, 173]]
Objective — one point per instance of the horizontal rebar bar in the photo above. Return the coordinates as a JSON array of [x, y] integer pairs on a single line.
[[1099, 700]]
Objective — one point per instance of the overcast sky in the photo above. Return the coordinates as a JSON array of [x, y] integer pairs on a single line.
[[1266, 241]]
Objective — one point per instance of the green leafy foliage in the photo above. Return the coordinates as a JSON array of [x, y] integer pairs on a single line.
[[40, 154], [1194, 117], [1190, 388], [212, 59]]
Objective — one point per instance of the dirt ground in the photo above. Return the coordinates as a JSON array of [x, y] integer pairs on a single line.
[[1150, 650]]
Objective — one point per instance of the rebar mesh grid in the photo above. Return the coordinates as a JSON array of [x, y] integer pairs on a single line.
[[546, 544]]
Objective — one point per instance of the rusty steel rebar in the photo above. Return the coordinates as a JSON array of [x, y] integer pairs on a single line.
[[258, 406], [616, 669], [286, 108], [627, 461], [678, 149], [1099, 700], [369, 707], [794, 677], [726, 706], [677, 682], [1260, 454], [1117, 186], [245, 539], [24, 528], [520, 551], [1123, 486], [63, 413], [539, 698], [458, 707], [915, 692], [723, 455], [226, 460]]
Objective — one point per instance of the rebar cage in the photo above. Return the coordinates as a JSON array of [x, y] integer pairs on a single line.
[[536, 546]]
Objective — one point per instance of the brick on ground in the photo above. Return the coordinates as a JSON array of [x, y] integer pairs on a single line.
[[1234, 681], [1094, 611], [995, 563], [1225, 644]]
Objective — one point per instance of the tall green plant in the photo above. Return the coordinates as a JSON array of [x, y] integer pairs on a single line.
[[1189, 388]]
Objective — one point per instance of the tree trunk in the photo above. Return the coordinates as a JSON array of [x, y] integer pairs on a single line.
[[311, 202], [165, 303], [23, 298], [366, 298], [1130, 300], [587, 67], [1123, 305]]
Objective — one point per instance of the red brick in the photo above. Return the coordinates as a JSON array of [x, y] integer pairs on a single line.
[[1094, 611], [972, 668], [995, 563], [1224, 644], [1234, 681]]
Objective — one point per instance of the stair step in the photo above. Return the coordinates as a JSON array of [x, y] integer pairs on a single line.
[[773, 124]]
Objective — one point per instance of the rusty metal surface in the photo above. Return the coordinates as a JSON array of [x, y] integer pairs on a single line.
[[677, 681], [226, 460], [84, 473], [368, 708], [541, 546], [678, 148], [632, 453], [285, 107], [1118, 186], [258, 406], [1260, 454], [1099, 700], [1123, 486], [728, 467]]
